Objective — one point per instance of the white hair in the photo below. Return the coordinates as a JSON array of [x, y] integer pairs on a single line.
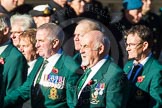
[[25, 19]]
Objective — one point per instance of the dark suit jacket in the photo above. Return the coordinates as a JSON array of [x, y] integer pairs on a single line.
[[147, 90], [114, 88], [64, 97], [152, 20], [13, 72]]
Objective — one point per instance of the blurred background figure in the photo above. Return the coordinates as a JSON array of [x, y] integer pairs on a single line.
[[41, 14], [7, 6], [160, 10], [160, 57], [59, 8], [23, 7], [61, 13], [131, 16], [21, 2], [78, 6], [152, 20], [20, 23], [94, 9]]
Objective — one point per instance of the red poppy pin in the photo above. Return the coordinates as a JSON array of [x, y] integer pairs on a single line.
[[54, 70], [1, 60], [83, 67], [90, 82], [140, 79]]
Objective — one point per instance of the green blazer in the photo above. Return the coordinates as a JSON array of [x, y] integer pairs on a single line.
[[77, 58], [13, 72], [147, 90], [62, 98], [107, 90]]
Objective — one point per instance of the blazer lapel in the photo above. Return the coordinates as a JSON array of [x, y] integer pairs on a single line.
[[36, 68], [128, 66], [59, 65], [100, 75], [7, 51], [145, 70]]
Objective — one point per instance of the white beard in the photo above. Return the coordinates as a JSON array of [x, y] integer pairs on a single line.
[[85, 63]]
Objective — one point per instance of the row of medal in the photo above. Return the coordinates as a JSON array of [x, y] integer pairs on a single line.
[[54, 81], [98, 91]]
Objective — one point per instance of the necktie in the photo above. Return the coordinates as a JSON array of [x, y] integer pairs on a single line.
[[136, 69], [87, 71], [41, 71]]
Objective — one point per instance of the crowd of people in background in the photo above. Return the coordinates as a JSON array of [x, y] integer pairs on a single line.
[[73, 54]]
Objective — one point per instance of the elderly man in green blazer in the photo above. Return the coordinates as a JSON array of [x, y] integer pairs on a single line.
[[103, 84], [51, 83], [143, 70], [13, 65]]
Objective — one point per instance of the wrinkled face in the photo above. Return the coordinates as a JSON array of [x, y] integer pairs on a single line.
[[44, 45], [16, 31], [39, 20], [134, 16], [134, 47], [146, 5], [89, 53], [78, 6], [27, 49]]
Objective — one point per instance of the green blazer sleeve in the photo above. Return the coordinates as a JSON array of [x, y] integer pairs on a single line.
[[14, 70], [22, 93], [117, 88], [70, 68]]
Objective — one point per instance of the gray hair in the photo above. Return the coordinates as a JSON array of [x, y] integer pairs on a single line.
[[25, 19], [92, 24], [54, 32], [4, 21], [105, 41]]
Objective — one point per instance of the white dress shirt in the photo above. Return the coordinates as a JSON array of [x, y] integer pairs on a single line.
[[51, 62]]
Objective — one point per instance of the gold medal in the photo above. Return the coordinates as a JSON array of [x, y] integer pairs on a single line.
[[94, 99], [53, 94]]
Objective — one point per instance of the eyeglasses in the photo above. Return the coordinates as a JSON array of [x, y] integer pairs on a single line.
[[133, 45]]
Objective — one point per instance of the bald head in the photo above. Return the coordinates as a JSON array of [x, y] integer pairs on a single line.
[[89, 24], [94, 35], [97, 38], [93, 48]]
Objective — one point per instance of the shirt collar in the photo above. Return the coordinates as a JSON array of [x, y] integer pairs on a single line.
[[55, 56], [144, 61], [100, 63]]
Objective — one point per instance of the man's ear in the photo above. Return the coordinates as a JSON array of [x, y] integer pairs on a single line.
[[55, 43], [145, 45], [101, 49], [6, 30]]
